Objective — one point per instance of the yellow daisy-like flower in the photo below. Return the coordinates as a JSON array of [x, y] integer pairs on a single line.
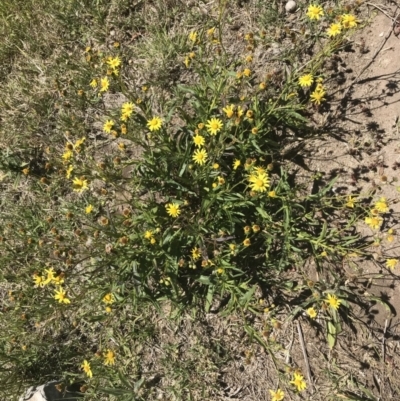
[[246, 72], [256, 228], [381, 206], [196, 253], [314, 12], [104, 84], [108, 299], [109, 358], [299, 382], [247, 242], [236, 164], [277, 395], [67, 155], [272, 194], [61, 296], [215, 166], [229, 110], [317, 97], [259, 182], [108, 126], [38, 280], [198, 140], [50, 276], [200, 156], [305, 81], [173, 209], [114, 62], [127, 109], [93, 83], [148, 235], [374, 222], [88, 209], [391, 263], [69, 171], [193, 36], [349, 21], [239, 111], [214, 126], [79, 184], [154, 124], [59, 279], [333, 301], [312, 313], [350, 201], [86, 368], [334, 30]]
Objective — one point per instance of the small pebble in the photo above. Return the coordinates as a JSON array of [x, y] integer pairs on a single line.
[[290, 6]]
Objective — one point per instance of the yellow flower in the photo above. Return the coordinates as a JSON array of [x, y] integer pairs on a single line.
[[247, 229], [315, 12], [38, 280], [350, 201], [299, 382], [277, 395], [173, 209], [246, 72], [317, 96], [93, 83], [67, 155], [193, 36], [229, 110], [236, 164], [196, 253], [152, 241], [86, 368], [215, 166], [109, 358], [214, 126], [256, 228], [79, 184], [108, 126], [127, 109], [114, 62], [154, 124], [198, 140], [259, 182], [50, 276], [108, 299], [210, 32], [148, 235], [333, 301], [240, 111], [374, 222], [272, 194], [88, 209], [334, 30], [221, 180], [108, 309], [312, 313], [381, 206], [306, 81], [69, 171], [246, 242], [59, 279], [104, 84], [25, 171], [349, 21], [391, 263], [200, 156], [187, 62], [60, 295], [262, 86]]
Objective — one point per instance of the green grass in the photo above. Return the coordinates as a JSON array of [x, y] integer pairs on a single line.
[[248, 233]]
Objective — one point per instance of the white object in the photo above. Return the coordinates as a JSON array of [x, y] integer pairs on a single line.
[[51, 391], [291, 6]]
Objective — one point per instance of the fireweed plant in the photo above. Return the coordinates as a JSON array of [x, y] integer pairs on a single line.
[[185, 198]]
